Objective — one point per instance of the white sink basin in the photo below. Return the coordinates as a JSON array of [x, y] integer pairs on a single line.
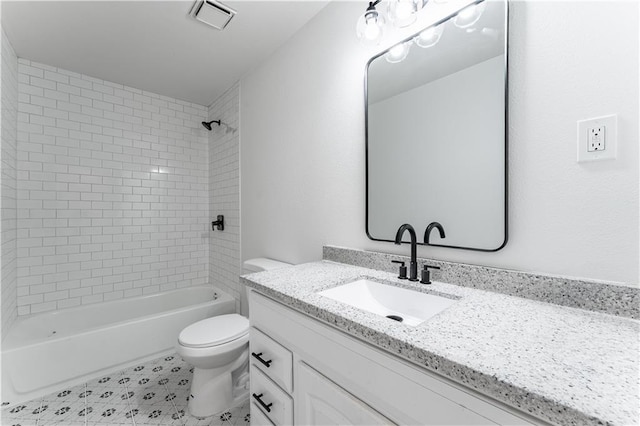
[[386, 300]]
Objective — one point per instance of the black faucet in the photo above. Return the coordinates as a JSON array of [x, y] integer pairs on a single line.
[[413, 266], [427, 231]]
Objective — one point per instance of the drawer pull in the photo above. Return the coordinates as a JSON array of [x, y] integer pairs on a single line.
[[265, 406], [259, 358]]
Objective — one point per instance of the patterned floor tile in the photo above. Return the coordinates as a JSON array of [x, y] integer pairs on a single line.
[[23, 414], [149, 394], [107, 413], [106, 381], [103, 424], [241, 415], [192, 421], [59, 413]]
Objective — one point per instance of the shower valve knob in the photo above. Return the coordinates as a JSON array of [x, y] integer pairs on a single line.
[[218, 223]]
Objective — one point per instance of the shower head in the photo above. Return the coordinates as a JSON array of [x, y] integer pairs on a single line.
[[207, 125]]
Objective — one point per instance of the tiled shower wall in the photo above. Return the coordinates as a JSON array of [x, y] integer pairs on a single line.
[[224, 193], [112, 191], [8, 156]]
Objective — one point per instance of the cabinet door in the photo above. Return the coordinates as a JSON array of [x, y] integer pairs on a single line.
[[258, 418], [319, 401]]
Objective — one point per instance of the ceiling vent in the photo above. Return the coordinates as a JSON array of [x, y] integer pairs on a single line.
[[212, 13]]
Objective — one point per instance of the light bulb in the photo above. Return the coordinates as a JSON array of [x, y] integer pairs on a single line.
[[404, 9], [403, 12], [430, 36], [398, 52], [372, 31], [469, 15], [370, 27]]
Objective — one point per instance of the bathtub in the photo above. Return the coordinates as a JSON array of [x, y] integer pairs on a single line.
[[45, 352]]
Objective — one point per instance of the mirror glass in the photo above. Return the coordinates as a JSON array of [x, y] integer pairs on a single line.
[[436, 144]]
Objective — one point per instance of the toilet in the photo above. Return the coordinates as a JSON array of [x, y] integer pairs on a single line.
[[218, 349]]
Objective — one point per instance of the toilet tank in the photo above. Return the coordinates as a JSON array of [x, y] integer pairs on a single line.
[[262, 264], [256, 265]]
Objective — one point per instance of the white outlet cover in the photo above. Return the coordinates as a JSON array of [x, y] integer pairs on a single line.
[[610, 122]]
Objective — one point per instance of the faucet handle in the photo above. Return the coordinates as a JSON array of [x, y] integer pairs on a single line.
[[403, 269], [426, 274]]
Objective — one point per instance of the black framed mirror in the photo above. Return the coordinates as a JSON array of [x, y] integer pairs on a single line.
[[436, 120]]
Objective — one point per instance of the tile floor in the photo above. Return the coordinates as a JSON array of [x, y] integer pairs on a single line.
[[153, 393]]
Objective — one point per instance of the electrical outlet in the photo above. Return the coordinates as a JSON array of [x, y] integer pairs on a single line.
[[597, 138]]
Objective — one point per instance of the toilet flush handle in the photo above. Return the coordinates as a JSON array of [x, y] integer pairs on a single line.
[[259, 358]]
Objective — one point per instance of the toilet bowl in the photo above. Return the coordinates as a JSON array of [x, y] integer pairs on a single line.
[[218, 349]]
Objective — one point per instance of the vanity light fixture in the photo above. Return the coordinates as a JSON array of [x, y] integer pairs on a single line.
[[370, 27], [398, 52], [403, 12], [469, 15]]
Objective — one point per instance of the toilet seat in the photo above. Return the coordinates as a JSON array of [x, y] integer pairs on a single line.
[[214, 331]]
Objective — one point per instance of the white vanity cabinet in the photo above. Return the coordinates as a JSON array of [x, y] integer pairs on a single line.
[[310, 373]]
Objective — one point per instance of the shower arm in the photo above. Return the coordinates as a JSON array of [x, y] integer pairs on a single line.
[[207, 124]]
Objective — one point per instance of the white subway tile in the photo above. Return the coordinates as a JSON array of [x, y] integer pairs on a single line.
[[43, 66], [80, 100], [102, 88], [42, 101], [69, 303], [91, 94], [30, 300], [55, 94], [95, 298], [97, 160], [43, 307], [30, 70], [79, 82], [66, 88], [56, 295], [40, 82]]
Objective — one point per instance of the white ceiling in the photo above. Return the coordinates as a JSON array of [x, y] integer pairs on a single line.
[[153, 45]]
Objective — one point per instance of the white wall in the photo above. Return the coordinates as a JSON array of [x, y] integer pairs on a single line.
[[302, 143], [8, 202], [224, 193], [112, 191]]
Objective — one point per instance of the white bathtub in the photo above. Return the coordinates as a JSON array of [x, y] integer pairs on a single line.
[[45, 352]]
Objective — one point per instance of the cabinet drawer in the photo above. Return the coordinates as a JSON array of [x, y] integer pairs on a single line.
[[272, 358], [258, 418], [276, 404]]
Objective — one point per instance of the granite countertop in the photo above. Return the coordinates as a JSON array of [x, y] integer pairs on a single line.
[[561, 364]]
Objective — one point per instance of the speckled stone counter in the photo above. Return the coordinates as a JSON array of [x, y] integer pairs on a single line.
[[600, 296], [563, 365]]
